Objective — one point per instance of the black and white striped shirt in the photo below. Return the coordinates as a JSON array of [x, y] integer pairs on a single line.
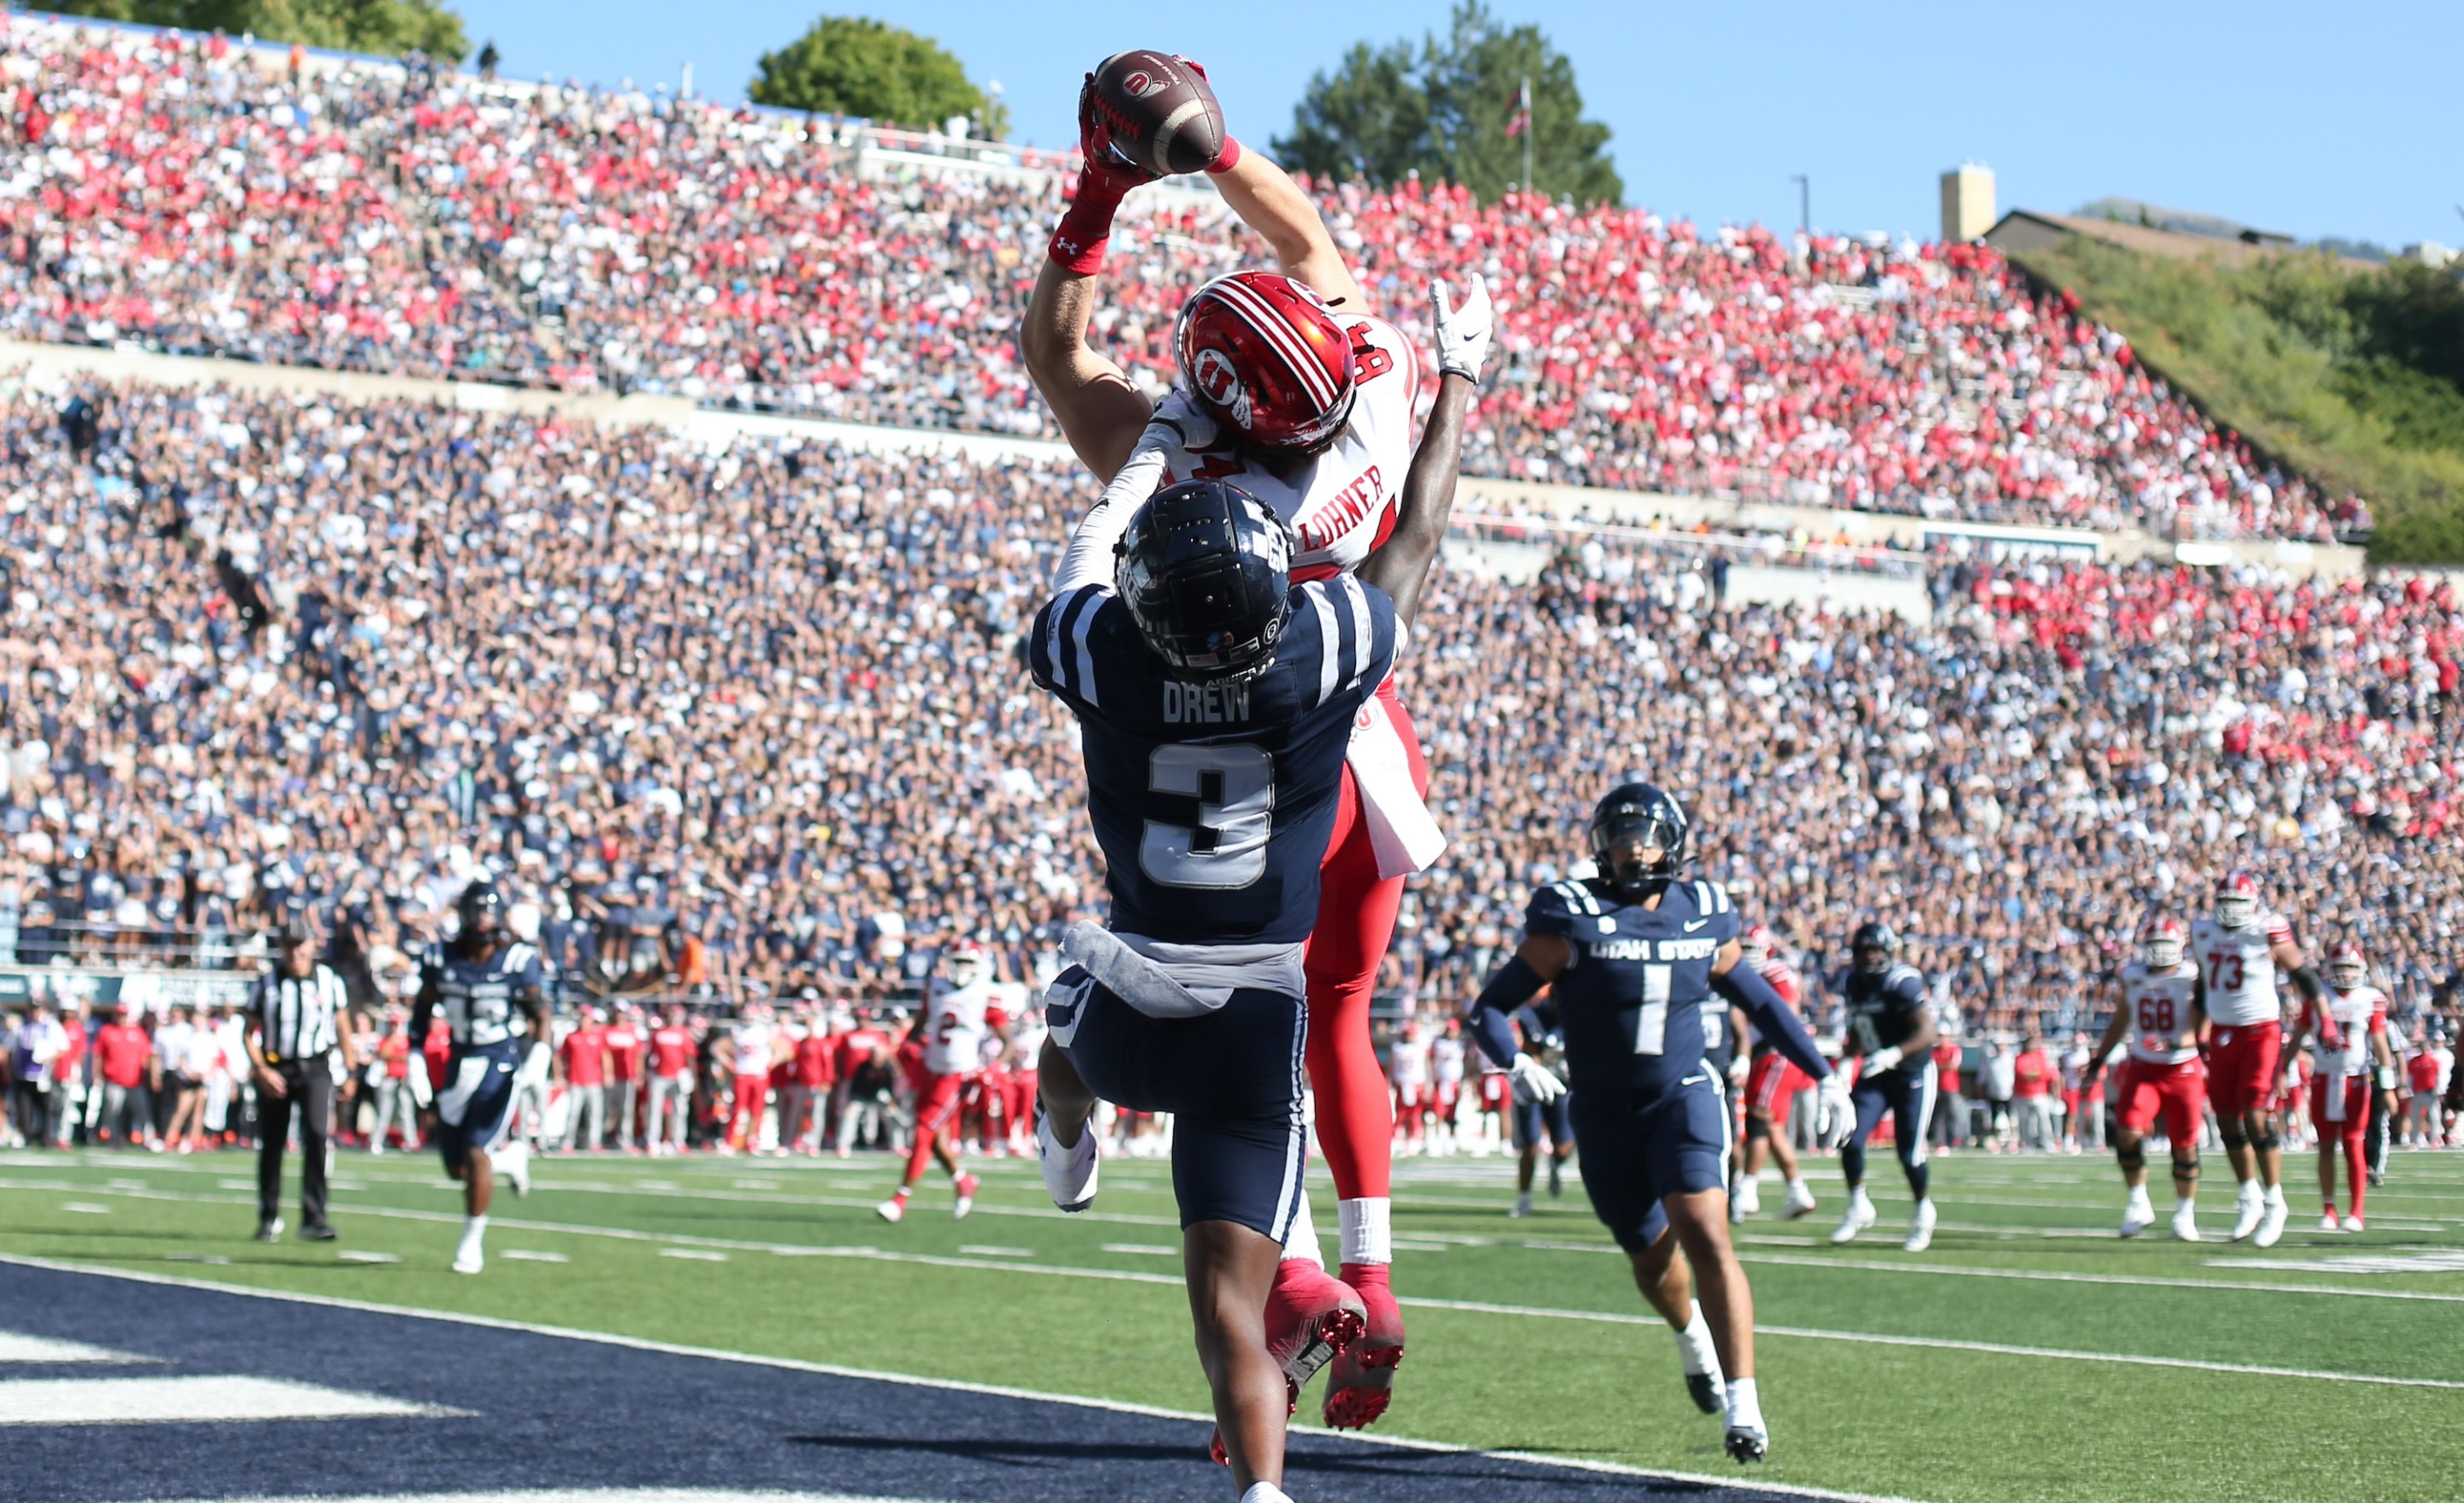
[[296, 1013]]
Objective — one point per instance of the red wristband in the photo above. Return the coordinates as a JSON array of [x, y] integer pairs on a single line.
[[1087, 228], [1225, 159]]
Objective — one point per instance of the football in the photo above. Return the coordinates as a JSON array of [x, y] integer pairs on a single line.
[[1156, 112]]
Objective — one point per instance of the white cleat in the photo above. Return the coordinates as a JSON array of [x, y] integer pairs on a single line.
[[890, 1209], [1859, 1215], [2329, 1223], [469, 1263], [2185, 1224], [2247, 1212], [1069, 1174], [1800, 1201], [2353, 1223], [968, 1184], [1920, 1227], [1745, 1199], [2137, 1215], [2270, 1226], [517, 1172]]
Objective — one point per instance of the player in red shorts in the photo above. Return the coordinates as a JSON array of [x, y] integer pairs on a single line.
[[1293, 388], [2348, 1038], [2159, 1014], [2237, 952], [950, 1032], [1770, 1091]]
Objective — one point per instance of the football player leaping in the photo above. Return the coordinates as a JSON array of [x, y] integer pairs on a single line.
[[1294, 390], [1631, 957], [2349, 1038], [1216, 699], [2237, 952], [2159, 1013]]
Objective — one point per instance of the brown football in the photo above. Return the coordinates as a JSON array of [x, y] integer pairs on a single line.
[[1161, 113]]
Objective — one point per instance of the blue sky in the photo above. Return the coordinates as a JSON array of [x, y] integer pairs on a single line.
[[2306, 119]]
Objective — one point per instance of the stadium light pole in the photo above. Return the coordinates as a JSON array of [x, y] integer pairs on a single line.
[[1804, 204]]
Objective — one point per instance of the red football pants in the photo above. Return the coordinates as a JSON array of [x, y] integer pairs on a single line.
[[1355, 923], [936, 1102]]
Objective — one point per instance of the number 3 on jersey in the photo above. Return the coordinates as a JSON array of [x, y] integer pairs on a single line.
[[1233, 784]]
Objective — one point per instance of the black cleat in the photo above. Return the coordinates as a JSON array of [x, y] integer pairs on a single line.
[[1747, 1442], [319, 1233], [270, 1230], [1704, 1390]]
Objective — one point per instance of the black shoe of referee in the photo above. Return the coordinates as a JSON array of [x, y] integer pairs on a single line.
[[319, 1233], [270, 1230]]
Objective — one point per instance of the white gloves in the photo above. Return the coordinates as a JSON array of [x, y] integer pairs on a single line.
[[1881, 1059], [1463, 332], [1535, 1080]]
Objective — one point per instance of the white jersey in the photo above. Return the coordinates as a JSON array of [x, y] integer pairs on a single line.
[[1408, 1062], [1446, 1060], [2239, 969], [2358, 1013], [754, 1042], [957, 1019], [1341, 505], [2159, 1003]]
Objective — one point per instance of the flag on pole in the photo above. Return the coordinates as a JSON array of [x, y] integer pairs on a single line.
[[1522, 120]]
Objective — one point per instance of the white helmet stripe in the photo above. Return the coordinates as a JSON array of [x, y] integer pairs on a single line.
[[1261, 316]]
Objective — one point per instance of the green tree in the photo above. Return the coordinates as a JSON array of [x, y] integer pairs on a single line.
[[382, 27], [855, 65], [1447, 109]]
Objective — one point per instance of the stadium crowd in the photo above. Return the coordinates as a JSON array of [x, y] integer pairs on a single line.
[[752, 718], [176, 194]]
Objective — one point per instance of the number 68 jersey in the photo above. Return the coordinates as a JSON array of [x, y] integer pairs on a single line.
[[2238, 968], [1213, 802]]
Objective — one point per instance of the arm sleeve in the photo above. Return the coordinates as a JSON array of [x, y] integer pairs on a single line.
[[1491, 1029], [1088, 559], [2305, 979], [1773, 1018]]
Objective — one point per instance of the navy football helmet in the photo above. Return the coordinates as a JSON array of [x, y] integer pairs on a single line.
[[1638, 812], [1205, 570], [1876, 939]]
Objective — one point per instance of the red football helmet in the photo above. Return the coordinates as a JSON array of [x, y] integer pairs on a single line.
[[1757, 944], [2162, 940], [1262, 353], [965, 963], [2236, 899], [2346, 968]]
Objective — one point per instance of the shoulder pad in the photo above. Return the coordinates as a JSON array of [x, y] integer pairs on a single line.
[[1555, 908]]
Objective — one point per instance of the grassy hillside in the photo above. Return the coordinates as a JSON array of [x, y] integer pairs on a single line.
[[2353, 376]]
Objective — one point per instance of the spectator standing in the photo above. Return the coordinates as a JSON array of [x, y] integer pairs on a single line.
[[1950, 1127], [584, 1063], [398, 1086], [2035, 1078], [624, 1049], [673, 1057], [301, 1030], [128, 1072], [40, 1042], [1999, 1079]]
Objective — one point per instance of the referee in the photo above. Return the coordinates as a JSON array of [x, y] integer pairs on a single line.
[[298, 1026]]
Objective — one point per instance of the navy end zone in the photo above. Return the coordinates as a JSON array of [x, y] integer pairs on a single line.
[[467, 1407]]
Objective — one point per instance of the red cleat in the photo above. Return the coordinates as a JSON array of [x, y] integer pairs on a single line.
[[1362, 1379], [1311, 1318]]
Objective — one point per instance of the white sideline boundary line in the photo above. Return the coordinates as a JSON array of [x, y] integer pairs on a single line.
[[910, 1380], [1947, 1344], [2047, 1276], [579, 1496]]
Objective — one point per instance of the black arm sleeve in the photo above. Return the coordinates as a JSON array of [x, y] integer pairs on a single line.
[[1490, 1021]]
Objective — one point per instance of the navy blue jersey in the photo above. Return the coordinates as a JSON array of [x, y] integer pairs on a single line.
[[1632, 1003], [479, 999], [1719, 1035], [1883, 1007], [1213, 802]]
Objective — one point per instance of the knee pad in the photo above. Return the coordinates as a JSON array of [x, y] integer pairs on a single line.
[[2267, 1142], [2230, 1131], [2132, 1159], [2187, 1170]]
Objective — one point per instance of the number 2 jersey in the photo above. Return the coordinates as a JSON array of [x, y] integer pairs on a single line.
[[1631, 1004], [958, 1020], [2239, 967], [1213, 802]]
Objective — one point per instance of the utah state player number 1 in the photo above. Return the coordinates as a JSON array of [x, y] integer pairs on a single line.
[[1651, 1019], [1233, 784]]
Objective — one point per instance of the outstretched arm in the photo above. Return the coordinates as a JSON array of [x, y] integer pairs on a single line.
[[1772, 1017], [1271, 203], [1100, 413], [1401, 564]]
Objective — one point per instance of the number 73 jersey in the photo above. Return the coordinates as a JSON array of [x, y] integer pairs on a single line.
[[2238, 966], [1213, 802], [1630, 1006]]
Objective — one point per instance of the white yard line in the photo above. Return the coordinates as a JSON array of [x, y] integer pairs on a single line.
[[191, 1400]]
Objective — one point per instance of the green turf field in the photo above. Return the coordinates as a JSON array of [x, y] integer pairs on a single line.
[[2028, 1354]]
